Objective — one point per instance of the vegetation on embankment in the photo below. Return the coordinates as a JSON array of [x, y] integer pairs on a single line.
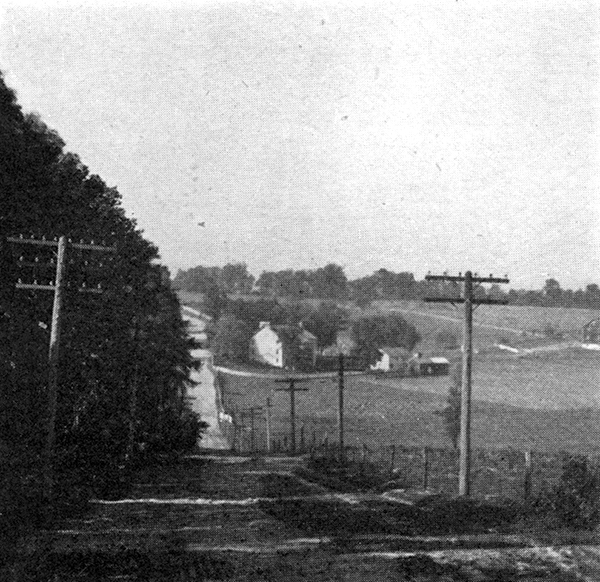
[[124, 352]]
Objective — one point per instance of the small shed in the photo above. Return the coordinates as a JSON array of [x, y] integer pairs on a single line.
[[434, 366]]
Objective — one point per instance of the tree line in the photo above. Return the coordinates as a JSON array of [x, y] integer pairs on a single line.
[[331, 282], [124, 358]]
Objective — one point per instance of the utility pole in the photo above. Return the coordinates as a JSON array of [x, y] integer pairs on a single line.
[[60, 283], [252, 411], [468, 280], [268, 423], [340, 418], [292, 389]]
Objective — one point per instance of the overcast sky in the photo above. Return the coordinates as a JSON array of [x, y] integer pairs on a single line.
[[412, 136]]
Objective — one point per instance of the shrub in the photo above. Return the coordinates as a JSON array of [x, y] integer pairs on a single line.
[[575, 501]]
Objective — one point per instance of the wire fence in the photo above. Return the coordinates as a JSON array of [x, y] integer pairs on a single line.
[[506, 473]]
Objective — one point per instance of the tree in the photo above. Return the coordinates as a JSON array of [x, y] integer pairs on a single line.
[[234, 278], [330, 282], [451, 413], [232, 339], [552, 291], [325, 322], [374, 332]]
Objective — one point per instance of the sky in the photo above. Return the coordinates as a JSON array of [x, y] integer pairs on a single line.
[[422, 136]]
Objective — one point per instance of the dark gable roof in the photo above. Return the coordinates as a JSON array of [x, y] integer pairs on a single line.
[[291, 333]]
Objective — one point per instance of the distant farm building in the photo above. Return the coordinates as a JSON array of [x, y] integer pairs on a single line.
[[434, 366], [591, 334], [400, 361], [282, 346], [391, 358]]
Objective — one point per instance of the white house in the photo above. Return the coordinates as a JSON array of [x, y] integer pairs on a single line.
[[391, 358], [280, 345]]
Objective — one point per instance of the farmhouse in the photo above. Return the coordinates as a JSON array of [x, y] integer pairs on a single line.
[[282, 346], [591, 332]]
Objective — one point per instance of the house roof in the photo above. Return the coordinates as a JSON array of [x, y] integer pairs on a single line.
[[438, 360], [290, 331]]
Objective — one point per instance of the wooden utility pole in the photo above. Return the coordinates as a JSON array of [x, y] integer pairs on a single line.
[[252, 411], [268, 423], [292, 389], [58, 287], [468, 280], [340, 417]]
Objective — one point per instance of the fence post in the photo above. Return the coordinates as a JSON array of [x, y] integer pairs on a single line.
[[364, 456], [302, 443], [528, 475], [285, 444], [392, 459], [425, 468]]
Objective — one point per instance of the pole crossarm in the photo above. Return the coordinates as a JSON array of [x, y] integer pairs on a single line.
[[54, 243]]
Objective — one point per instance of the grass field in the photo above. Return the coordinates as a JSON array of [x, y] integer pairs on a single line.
[[521, 403]]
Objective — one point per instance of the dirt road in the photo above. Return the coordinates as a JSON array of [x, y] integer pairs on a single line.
[[231, 518]]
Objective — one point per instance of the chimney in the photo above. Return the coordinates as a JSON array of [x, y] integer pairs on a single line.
[[264, 324]]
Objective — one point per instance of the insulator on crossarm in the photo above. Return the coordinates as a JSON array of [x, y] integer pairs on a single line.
[[21, 258]]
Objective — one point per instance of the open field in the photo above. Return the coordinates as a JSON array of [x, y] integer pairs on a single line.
[[545, 404]]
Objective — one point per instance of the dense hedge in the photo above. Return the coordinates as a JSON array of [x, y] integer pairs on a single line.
[[124, 353]]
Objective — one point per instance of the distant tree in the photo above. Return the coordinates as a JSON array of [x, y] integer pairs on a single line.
[[324, 322], [451, 413], [363, 291], [552, 291], [215, 299], [371, 333], [232, 338], [234, 278], [330, 282]]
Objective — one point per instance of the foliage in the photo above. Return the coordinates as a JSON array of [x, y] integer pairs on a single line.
[[325, 322], [232, 278], [575, 501], [373, 332], [232, 339], [124, 353]]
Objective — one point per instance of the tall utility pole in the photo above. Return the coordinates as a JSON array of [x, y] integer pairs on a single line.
[[268, 423], [340, 417], [292, 389], [252, 411], [468, 280], [62, 245]]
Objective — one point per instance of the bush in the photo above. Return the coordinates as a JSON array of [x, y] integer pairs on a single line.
[[575, 501]]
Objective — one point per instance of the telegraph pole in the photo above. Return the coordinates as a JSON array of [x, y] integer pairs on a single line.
[[58, 287], [292, 389], [252, 411], [268, 423], [341, 407], [464, 476]]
